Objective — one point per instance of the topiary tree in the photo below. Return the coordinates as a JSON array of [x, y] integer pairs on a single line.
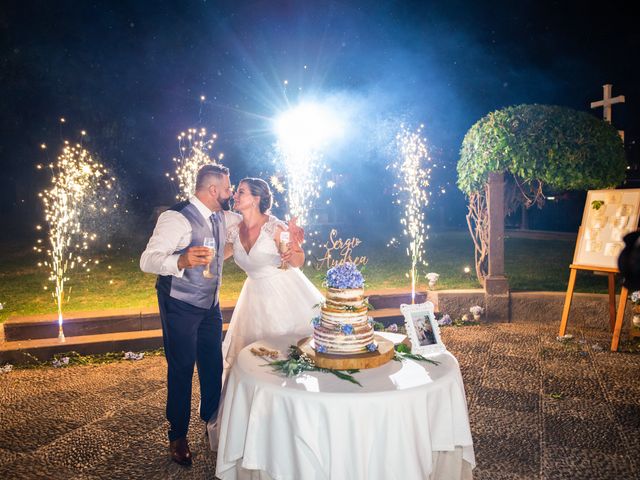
[[540, 149]]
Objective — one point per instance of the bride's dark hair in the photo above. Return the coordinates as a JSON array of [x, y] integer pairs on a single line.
[[260, 188]]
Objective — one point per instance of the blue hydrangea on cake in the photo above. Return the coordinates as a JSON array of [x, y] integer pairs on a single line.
[[344, 327], [345, 276]]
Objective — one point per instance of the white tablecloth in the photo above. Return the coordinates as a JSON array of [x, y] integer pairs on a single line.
[[316, 426]]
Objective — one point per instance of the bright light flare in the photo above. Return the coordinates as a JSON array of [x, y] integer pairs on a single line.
[[304, 133], [307, 127]]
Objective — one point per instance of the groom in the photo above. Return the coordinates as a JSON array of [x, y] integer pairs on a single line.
[[188, 301]]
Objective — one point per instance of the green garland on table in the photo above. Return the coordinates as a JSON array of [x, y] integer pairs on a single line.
[[298, 362], [403, 352]]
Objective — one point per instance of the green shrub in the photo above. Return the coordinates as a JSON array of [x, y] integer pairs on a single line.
[[561, 148]]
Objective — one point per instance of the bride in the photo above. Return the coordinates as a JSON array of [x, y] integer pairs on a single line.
[[273, 301]]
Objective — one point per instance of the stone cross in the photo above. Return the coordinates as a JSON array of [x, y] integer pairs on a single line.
[[607, 101]]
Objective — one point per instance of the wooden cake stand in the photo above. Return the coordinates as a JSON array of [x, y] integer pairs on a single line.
[[358, 361]]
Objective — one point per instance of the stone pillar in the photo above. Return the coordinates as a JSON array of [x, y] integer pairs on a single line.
[[496, 286]]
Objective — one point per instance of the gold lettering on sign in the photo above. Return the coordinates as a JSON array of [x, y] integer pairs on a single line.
[[338, 251]]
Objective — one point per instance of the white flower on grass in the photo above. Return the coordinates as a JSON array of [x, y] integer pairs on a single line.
[[133, 356], [635, 297], [476, 310], [433, 279], [6, 368], [57, 363], [564, 338]]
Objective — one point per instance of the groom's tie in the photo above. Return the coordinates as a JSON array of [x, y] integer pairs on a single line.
[[215, 228]]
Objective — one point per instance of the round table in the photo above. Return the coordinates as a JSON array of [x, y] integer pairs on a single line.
[[407, 421]]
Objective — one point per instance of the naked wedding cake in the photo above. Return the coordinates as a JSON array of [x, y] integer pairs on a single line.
[[343, 327]]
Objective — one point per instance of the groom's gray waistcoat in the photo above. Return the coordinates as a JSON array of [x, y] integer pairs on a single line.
[[193, 288]]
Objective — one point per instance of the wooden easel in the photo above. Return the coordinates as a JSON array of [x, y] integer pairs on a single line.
[[615, 318], [601, 206], [607, 216]]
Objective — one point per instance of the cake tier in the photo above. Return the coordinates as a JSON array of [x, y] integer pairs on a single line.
[[349, 310], [331, 316], [340, 344], [351, 306], [356, 327], [345, 297]]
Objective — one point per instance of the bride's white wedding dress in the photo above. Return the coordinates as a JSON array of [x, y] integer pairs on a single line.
[[273, 301]]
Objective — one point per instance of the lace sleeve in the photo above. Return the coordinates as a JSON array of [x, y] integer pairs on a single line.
[[232, 233], [272, 226], [232, 222]]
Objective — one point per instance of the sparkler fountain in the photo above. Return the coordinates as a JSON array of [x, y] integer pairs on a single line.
[[303, 132], [195, 150], [413, 175], [76, 192]]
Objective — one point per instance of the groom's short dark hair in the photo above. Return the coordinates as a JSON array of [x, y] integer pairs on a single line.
[[205, 173]]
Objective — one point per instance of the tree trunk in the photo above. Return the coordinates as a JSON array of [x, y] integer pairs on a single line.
[[524, 218], [478, 223]]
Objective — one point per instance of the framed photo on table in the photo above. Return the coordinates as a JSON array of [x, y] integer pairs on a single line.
[[422, 328]]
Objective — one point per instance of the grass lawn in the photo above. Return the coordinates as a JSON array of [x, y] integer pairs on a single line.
[[530, 265]]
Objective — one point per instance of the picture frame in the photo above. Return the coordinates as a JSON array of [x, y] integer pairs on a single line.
[[608, 216], [422, 329]]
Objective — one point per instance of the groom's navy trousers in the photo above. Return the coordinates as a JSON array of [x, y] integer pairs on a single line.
[[191, 336]]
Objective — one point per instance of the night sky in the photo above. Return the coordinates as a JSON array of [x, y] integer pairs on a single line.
[[132, 73]]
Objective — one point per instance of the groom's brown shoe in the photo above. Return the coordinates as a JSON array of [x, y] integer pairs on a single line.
[[180, 452]]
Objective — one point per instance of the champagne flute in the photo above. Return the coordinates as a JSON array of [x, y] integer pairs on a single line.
[[210, 243], [283, 247]]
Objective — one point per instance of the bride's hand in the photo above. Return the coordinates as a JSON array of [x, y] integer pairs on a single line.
[[296, 231], [294, 256], [286, 256]]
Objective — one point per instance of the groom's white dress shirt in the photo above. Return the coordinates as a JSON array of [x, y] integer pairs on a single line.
[[171, 234]]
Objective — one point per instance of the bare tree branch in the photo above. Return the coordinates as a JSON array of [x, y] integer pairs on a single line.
[[478, 223]]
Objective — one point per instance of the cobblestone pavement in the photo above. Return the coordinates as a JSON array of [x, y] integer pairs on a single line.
[[539, 409]]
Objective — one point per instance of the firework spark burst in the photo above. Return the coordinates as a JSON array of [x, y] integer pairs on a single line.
[[413, 176], [302, 182], [76, 193], [277, 184], [195, 148]]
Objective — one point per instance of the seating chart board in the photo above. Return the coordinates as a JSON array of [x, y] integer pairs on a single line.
[[608, 216]]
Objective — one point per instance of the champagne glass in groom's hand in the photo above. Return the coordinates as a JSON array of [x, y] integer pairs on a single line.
[[210, 243]]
